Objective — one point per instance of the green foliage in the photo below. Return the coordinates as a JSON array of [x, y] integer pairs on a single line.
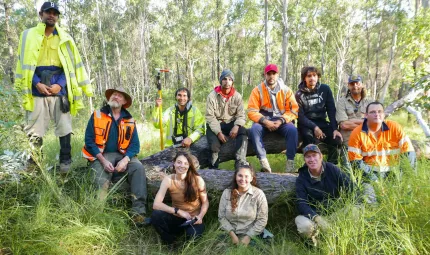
[[12, 136]]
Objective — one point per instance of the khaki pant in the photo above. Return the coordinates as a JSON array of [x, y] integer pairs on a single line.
[[305, 226], [45, 109], [309, 228]]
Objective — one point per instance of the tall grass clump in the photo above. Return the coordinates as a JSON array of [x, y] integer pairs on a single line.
[[398, 224]]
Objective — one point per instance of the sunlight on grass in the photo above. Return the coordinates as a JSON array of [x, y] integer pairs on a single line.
[[50, 214]]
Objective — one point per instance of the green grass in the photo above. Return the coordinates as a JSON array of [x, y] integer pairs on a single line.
[[50, 214]]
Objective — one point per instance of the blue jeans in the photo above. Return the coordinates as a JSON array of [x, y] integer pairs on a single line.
[[287, 130]]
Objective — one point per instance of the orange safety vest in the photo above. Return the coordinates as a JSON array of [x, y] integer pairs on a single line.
[[102, 124], [260, 100]]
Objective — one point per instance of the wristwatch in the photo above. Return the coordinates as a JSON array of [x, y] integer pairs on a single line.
[[176, 210]]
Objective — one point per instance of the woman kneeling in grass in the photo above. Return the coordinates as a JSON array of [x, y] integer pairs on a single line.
[[243, 207], [189, 202]]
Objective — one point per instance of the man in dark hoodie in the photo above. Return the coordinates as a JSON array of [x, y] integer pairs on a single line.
[[316, 102], [318, 183], [225, 118]]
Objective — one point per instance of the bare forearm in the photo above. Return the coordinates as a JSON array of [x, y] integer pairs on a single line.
[[163, 207], [204, 209], [349, 125]]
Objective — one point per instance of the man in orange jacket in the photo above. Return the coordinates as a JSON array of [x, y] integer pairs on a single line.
[[273, 108], [376, 145]]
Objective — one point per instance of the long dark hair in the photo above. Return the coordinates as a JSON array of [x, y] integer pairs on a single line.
[[307, 69], [191, 187], [234, 187]]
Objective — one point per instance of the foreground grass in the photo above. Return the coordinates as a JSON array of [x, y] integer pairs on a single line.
[[49, 214]]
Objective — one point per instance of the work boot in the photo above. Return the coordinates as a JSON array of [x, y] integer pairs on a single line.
[[239, 163], [214, 160], [65, 166], [36, 150], [65, 153], [265, 166], [290, 166], [140, 220]]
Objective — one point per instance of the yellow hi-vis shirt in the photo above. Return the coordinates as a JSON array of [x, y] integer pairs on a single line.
[[49, 51]]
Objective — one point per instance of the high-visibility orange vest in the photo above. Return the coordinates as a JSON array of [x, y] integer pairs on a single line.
[[379, 153], [102, 124]]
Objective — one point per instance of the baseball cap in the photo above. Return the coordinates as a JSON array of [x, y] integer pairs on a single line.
[[311, 147], [354, 78], [271, 67], [50, 5]]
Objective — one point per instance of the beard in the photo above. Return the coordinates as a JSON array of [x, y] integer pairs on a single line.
[[114, 104]]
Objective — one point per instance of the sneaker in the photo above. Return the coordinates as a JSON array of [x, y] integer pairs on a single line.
[[140, 220], [65, 166], [265, 166], [290, 166]]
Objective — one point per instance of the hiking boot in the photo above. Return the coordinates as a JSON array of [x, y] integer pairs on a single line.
[[290, 166], [140, 220], [65, 166], [265, 166], [214, 160], [239, 163]]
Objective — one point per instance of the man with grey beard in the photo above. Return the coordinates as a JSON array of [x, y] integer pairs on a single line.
[[111, 145]]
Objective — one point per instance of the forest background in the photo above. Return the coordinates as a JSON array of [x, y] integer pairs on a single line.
[[122, 42]]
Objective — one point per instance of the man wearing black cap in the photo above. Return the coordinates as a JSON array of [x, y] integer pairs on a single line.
[[111, 145], [318, 183], [350, 112], [225, 118], [51, 77]]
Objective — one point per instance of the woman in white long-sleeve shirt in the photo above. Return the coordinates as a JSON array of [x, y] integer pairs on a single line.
[[243, 209]]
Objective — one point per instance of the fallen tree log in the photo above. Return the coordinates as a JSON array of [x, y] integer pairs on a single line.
[[162, 160], [273, 185]]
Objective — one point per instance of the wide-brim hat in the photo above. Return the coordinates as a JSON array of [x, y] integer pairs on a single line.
[[121, 90]]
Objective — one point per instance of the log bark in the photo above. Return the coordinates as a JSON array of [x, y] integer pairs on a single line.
[[273, 185], [162, 160]]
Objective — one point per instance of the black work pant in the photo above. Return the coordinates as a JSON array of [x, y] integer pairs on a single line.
[[241, 140], [332, 144], [168, 227]]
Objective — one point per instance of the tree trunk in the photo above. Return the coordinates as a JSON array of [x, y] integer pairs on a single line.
[[9, 65], [266, 32], [284, 70], [273, 185], [103, 42], [420, 120], [410, 96]]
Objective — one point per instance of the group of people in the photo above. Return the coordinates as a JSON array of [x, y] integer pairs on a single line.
[[51, 77]]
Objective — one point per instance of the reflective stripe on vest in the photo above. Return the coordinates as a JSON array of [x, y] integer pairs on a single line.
[[24, 41]]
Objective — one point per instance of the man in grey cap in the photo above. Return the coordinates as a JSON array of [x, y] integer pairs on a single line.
[[225, 118], [350, 112], [111, 145], [318, 183]]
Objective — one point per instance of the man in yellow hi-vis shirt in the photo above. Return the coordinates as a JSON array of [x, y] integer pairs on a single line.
[[51, 77]]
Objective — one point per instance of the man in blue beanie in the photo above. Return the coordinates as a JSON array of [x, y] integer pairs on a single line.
[[225, 118]]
